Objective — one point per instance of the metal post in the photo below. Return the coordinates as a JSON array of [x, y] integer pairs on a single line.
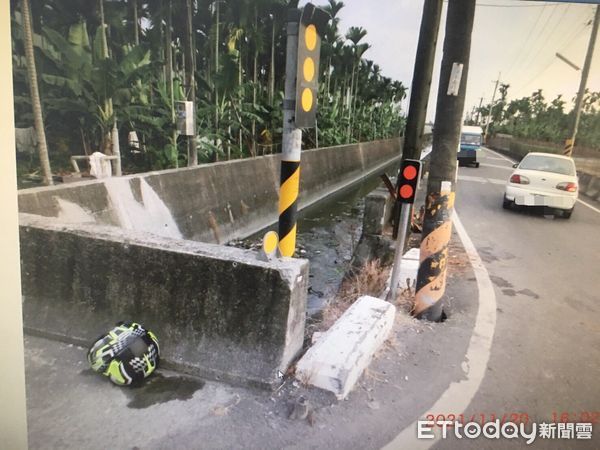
[[570, 143], [190, 80], [291, 144], [437, 226], [421, 82], [400, 241]]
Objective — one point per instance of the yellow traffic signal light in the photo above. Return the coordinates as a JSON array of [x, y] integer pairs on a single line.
[[312, 22]]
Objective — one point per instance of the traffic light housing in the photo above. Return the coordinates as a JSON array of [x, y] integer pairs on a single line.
[[311, 27], [408, 180]]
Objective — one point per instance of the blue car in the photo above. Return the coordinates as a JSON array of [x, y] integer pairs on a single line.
[[470, 144]]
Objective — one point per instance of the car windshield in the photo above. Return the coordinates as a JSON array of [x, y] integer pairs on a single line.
[[548, 164], [470, 139]]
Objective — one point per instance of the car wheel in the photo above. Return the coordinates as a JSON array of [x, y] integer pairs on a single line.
[[566, 214], [506, 204], [477, 165]]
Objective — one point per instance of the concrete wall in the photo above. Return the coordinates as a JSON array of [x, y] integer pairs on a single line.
[[218, 312], [215, 202], [131, 248]]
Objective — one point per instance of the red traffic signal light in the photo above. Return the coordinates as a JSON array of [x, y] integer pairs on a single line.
[[408, 180]]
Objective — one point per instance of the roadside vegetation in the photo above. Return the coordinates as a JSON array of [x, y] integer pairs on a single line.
[[536, 118], [100, 62]]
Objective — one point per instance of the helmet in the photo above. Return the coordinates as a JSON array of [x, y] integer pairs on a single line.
[[126, 354]]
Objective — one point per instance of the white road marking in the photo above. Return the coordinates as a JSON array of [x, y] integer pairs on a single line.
[[496, 166], [493, 157], [593, 208], [481, 179], [459, 394], [470, 178], [584, 203], [499, 154]]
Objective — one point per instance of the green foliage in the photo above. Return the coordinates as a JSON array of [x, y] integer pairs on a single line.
[[534, 118], [239, 80]]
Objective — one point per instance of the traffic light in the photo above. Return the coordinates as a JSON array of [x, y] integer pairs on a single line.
[[312, 24], [408, 180]]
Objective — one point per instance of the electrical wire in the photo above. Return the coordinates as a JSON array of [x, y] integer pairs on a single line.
[[578, 34]]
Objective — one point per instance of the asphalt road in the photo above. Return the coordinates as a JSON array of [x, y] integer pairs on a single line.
[[545, 356]]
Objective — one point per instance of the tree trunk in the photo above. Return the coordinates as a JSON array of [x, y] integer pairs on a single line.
[[35, 95], [108, 103], [272, 68], [216, 73], [350, 105], [169, 54], [254, 83], [103, 41], [136, 24]]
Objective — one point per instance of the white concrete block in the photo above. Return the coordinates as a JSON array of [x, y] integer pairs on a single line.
[[408, 269], [340, 356], [413, 253]]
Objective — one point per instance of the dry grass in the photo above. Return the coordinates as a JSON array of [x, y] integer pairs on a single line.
[[369, 280], [405, 300]]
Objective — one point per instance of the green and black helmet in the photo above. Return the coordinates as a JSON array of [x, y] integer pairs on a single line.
[[126, 354]]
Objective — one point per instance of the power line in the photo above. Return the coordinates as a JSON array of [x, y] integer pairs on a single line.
[[531, 50], [497, 5], [578, 34], [521, 50]]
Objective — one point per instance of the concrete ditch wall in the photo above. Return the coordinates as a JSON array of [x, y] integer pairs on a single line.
[[214, 202], [217, 311], [129, 248]]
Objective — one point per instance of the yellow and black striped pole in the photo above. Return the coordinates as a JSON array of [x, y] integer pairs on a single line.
[[291, 145], [299, 110], [288, 206], [568, 150], [431, 278]]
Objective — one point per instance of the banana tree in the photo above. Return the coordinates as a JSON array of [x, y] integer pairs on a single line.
[[91, 85]]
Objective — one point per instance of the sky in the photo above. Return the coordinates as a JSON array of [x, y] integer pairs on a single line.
[[518, 39]]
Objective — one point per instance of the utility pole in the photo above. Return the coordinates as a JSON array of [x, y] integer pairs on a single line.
[[437, 226], [415, 122], [570, 143], [487, 122], [479, 110], [421, 82], [190, 81]]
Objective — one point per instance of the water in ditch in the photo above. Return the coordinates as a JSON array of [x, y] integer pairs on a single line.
[[328, 231]]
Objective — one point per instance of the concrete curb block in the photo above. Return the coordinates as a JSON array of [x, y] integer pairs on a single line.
[[593, 188], [408, 270], [340, 356]]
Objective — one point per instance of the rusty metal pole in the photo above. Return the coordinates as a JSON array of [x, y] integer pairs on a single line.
[[437, 224]]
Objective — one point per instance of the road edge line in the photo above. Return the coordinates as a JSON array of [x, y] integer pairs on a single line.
[[457, 397]]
